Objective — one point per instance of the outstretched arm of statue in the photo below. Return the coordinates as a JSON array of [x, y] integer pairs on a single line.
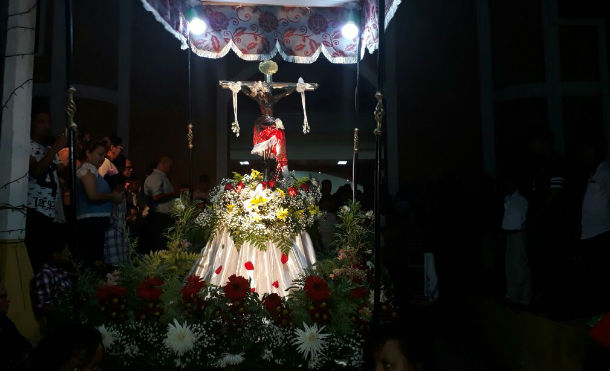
[[286, 92]]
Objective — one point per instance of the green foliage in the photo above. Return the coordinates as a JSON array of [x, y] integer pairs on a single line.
[[185, 234], [355, 229]]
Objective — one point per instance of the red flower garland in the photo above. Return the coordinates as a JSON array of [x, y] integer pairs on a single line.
[[316, 288], [237, 288]]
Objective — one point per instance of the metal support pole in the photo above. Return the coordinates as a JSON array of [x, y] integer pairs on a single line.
[[189, 134], [355, 165], [71, 127], [379, 112]]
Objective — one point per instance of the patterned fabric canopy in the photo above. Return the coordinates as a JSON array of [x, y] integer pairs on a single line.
[[259, 32]]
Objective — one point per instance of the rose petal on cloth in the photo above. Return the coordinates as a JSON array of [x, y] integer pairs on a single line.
[[249, 266], [252, 289], [275, 284], [284, 258], [217, 271]]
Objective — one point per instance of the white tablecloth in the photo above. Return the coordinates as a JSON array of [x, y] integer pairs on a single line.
[[220, 259]]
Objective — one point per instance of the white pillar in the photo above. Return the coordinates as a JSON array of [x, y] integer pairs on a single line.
[[124, 74], [15, 136], [488, 135]]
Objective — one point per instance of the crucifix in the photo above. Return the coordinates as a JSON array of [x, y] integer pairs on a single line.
[[268, 138]]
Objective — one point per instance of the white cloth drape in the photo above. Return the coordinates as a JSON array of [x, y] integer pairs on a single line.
[[220, 259]]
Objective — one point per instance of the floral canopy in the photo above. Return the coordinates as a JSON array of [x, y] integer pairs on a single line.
[[255, 30]]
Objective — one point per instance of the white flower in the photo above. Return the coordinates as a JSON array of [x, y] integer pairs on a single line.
[[107, 336], [369, 214], [230, 360], [310, 341], [180, 338], [267, 355], [132, 349], [344, 208]]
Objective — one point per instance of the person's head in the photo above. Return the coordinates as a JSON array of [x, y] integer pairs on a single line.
[[41, 125], [115, 147], [390, 348], [165, 164], [59, 254], [128, 170], [4, 300], [94, 152], [327, 187], [70, 347]]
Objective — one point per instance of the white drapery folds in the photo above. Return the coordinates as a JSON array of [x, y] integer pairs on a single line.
[[269, 271]]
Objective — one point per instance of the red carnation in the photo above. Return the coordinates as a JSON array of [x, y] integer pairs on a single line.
[[228, 186], [304, 187], [193, 285], [292, 191], [239, 187], [110, 292], [284, 258], [149, 289], [316, 288], [272, 302], [358, 292], [271, 183], [237, 288]]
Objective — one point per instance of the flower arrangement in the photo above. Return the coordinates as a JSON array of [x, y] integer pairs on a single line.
[[164, 320], [258, 212]]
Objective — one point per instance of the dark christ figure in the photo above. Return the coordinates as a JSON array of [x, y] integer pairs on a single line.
[[268, 137]]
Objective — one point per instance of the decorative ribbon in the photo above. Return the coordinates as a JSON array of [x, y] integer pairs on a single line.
[[235, 88], [301, 86]]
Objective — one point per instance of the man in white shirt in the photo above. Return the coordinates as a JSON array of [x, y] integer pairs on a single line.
[[160, 193], [595, 229], [115, 147]]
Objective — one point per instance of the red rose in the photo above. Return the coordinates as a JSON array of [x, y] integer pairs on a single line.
[[264, 185], [272, 302], [237, 288], [358, 292], [316, 288], [292, 191], [304, 187], [271, 183], [149, 289], [284, 258], [193, 285], [228, 186], [239, 187]]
